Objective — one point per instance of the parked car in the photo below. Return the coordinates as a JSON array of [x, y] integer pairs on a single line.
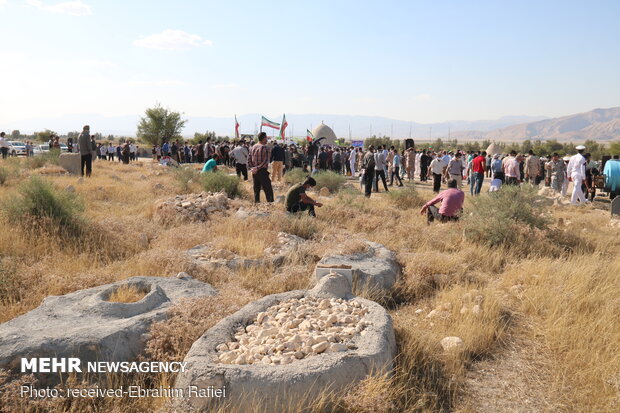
[[40, 149], [17, 148]]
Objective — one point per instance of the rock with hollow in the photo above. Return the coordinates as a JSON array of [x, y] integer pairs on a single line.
[[85, 324], [295, 378]]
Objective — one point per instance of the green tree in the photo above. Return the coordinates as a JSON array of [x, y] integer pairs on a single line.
[[15, 135], [614, 148], [159, 125], [45, 135]]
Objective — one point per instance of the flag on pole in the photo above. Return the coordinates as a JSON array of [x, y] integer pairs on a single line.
[[309, 135], [284, 125], [269, 123], [236, 128]]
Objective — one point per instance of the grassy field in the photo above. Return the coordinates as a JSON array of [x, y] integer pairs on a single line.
[[535, 290]]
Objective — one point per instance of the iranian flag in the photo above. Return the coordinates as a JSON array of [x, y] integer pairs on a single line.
[[284, 125], [236, 127], [269, 123], [309, 135]]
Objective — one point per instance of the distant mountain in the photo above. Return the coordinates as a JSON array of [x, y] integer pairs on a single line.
[[599, 124], [359, 126]]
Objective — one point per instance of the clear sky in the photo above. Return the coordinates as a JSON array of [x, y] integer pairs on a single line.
[[424, 61]]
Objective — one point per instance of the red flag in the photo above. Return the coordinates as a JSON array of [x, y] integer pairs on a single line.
[[284, 125], [236, 128]]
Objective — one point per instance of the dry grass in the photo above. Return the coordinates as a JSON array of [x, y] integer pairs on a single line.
[[562, 298], [127, 294]]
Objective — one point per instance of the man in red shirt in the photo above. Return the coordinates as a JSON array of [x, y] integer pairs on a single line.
[[451, 204], [478, 168]]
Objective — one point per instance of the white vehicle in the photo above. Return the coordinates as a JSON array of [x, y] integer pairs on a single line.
[[40, 149], [17, 148]]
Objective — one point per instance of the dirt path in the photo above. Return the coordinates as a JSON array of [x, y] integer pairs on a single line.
[[512, 380]]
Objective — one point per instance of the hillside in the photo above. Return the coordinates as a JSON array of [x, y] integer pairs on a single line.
[[598, 124]]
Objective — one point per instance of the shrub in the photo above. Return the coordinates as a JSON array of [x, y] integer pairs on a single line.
[[42, 204], [406, 198], [4, 175], [495, 218], [295, 176], [41, 160], [513, 219], [184, 176], [330, 180], [220, 181]]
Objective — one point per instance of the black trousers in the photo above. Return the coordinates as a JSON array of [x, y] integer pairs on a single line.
[[380, 174], [436, 182], [301, 206], [5, 152], [87, 161], [395, 172], [432, 214], [368, 181], [242, 169], [512, 181], [262, 181], [423, 172]]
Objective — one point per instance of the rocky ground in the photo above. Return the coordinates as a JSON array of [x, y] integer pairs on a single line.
[[296, 329]]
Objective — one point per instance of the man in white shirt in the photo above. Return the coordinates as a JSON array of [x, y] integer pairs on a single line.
[[4, 145], [437, 167], [576, 172], [240, 155], [353, 160]]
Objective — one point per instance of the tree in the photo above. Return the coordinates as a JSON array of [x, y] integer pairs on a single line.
[[44, 136], [15, 135], [614, 148], [159, 125]]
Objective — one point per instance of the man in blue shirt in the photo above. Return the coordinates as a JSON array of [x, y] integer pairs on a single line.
[[210, 165]]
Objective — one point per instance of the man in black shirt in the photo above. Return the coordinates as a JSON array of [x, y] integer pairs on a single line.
[[296, 199]]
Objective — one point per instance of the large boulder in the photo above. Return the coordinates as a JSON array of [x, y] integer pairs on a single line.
[[289, 348], [86, 325], [71, 162], [373, 269]]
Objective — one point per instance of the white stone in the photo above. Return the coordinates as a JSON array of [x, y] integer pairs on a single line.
[[451, 343]]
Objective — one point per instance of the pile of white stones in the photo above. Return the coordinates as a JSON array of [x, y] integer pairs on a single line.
[[192, 207], [296, 329]]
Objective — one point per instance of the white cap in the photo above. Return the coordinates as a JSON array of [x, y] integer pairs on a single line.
[[580, 147], [566, 158]]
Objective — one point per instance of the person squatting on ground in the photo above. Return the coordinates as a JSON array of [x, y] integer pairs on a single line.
[[211, 164], [451, 204], [86, 155], [260, 154], [297, 200]]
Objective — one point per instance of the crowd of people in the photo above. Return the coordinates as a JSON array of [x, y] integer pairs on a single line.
[[266, 161]]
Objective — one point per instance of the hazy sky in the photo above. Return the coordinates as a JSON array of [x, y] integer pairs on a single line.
[[425, 61]]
